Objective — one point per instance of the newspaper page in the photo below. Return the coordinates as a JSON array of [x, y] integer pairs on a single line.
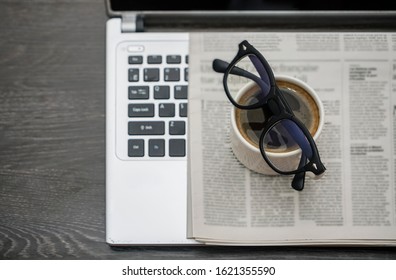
[[354, 75]]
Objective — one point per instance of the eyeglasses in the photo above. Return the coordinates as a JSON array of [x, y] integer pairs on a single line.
[[282, 131]]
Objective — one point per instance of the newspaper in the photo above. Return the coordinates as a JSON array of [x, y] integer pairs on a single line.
[[354, 75]]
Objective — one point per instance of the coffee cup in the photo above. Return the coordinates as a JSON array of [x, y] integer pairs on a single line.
[[246, 125]]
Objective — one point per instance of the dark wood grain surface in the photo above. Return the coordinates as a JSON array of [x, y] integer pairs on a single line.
[[52, 143]]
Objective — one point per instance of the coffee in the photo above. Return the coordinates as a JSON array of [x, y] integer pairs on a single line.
[[250, 123]]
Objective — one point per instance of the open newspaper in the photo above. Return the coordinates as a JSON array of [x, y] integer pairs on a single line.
[[354, 74]]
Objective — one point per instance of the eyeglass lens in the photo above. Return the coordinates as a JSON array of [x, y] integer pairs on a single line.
[[286, 136], [248, 71]]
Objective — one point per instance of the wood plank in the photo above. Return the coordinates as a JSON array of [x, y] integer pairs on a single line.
[[52, 147]]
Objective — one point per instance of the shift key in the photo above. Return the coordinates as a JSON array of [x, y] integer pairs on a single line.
[[146, 128]]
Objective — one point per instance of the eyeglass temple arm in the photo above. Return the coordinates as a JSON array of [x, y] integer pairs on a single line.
[[306, 152], [315, 165], [260, 69], [299, 178], [220, 66], [299, 137]]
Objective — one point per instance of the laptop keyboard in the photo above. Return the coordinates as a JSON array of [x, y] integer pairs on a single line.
[[157, 105]]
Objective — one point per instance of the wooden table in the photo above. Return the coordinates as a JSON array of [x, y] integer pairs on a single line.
[[52, 143]]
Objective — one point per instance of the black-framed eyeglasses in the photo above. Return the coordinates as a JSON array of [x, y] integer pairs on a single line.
[[282, 131]]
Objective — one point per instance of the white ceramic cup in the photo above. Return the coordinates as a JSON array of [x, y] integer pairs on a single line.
[[248, 153]]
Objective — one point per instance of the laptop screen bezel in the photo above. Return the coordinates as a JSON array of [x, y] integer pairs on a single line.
[[370, 20]]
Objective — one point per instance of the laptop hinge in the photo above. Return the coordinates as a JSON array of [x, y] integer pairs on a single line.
[[132, 23]]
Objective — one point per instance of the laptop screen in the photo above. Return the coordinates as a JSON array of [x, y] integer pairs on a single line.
[[251, 5]]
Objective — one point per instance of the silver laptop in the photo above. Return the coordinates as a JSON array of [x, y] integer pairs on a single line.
[[147, 45]]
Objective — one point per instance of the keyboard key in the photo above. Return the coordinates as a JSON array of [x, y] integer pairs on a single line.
[[166, 110], [151, 74], [172, 74], [138, 92], [133, 74], [140, 110], [183, 109], [146, 128], [154, 59], [177, 127], [135, 59], [173, 59], [161, 92], [177, 147], [181, 92], [135, 147], [156, 147], [186, 74]]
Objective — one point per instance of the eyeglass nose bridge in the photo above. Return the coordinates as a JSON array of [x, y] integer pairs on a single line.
[[276, 104], [273, 106]]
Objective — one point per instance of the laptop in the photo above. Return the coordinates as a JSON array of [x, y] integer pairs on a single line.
[[147, 56]]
